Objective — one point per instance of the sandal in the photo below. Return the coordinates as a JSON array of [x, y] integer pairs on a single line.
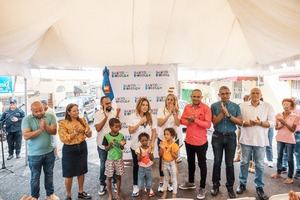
[[288, 181]]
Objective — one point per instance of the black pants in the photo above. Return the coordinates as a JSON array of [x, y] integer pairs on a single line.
[[135, 167], [223, 142], [14, 141], [200, 151]]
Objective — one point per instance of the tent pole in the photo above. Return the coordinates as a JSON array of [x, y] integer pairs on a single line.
[[26, 109]]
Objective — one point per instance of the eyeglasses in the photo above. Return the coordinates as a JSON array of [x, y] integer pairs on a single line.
[[196, 96]]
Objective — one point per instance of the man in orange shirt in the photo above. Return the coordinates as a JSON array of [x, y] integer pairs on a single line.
[[197, 118]]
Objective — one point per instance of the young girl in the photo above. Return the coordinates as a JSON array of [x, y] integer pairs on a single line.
[[145, 161], [169, 152]]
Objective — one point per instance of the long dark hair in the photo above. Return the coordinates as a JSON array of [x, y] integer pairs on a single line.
[[138, 109], [68, 117]]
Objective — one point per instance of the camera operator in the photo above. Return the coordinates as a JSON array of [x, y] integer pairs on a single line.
[[12, 119]]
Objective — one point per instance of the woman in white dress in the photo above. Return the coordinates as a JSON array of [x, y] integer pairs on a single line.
[[141, 121]]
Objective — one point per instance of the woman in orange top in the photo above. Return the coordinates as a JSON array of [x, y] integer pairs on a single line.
[[73, 132]]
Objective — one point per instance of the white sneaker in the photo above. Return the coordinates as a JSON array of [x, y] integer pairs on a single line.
[[115, 187], [52, 197], [170, 187], [135, 191], [160, 187], [201, 194], [270, 164]]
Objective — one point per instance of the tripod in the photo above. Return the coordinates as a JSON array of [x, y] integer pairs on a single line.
[[2, 132]]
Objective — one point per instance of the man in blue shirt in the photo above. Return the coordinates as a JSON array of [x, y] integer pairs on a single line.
[[37, 129], [12, 119], [226, 115]]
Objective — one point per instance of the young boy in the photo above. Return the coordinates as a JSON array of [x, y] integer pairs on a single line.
[[114, 143], [145, 161]]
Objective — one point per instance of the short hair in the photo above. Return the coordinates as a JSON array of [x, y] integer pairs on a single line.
[[224, 87], [143, 134], [103, 97], [293, 104], [45, 102], [172, 132], [196, 90], [113, 121]]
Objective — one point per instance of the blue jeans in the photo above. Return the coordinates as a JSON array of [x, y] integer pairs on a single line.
[[227, 143], [290, 150], [269, 149], [145, 177], [258, 158], [35, 164], [296, 151], [103, 157]]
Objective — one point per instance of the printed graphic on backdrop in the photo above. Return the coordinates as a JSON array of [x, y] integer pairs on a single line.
[[132, 82], [6, 85]]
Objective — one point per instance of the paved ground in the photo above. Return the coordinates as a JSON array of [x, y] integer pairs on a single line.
[[14, 185]]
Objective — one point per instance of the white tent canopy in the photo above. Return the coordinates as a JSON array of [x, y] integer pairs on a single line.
[[213, 34]]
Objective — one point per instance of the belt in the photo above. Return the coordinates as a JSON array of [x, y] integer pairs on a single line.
[[224, 133]]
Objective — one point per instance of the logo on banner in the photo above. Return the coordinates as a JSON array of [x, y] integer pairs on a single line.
[[127, 137], [141, 74], [137, 98], [154, 111], [128, 112], [153, 86], [124, 125], [160, 99], [120, 74], [163, 73], [131, 87], [122, 100]]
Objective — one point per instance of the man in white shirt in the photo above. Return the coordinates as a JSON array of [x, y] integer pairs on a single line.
[[101, 120], [258, 117]]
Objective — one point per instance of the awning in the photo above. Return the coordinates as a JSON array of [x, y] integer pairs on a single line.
[[294, 77]]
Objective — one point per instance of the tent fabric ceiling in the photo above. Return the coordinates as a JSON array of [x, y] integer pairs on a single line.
[[214, 34]]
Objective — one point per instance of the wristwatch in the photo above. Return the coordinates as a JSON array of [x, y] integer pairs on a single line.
[[229, 116]]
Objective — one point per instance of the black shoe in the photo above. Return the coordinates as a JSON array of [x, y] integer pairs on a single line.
[[297, 175], [68, 198], [260, 194], [284, 170], [214, 191], [10, 157], [18, 156], [84, 195], [231, 193], [241, 189]]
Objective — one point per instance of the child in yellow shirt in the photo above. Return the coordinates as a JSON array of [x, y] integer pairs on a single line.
[[169, 152]]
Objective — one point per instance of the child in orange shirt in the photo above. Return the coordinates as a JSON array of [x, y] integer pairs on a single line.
[[169, 152]]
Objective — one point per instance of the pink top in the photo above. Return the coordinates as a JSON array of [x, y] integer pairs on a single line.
[[145, 157], [196, 133], [297, 112], [284, 134]]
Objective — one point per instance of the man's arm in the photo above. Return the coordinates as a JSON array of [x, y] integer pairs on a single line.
[[99, 126], [206, 123], [28, 134]]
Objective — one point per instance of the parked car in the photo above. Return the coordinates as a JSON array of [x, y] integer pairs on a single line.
[[86, 105]]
